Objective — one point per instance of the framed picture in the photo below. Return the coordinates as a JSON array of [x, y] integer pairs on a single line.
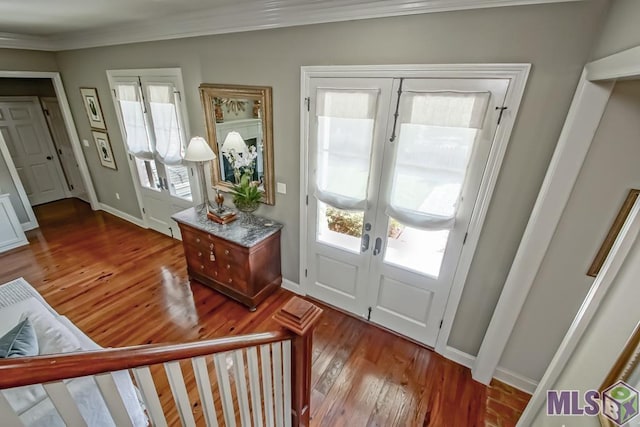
[[92, 107], [104, 149], [627, 370], [613, 233]]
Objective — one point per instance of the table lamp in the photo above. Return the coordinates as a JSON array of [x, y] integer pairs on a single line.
[[199, 152]]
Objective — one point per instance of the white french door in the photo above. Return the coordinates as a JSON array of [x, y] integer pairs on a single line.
[[152, 118], [394, 170]]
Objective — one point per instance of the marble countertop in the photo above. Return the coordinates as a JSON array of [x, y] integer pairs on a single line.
[[247, 230]]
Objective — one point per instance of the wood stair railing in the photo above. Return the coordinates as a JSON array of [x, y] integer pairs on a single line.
[[278, 370]]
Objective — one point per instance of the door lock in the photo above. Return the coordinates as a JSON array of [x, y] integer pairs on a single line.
[[364, 245], [49, 158]]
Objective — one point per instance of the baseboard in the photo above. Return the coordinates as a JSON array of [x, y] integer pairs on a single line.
[[292, 286], [515, 380], [115, 212], [29, 225], [460, 357]]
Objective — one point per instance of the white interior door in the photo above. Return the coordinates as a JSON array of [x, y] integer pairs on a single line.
[[25, 132], [62, 144], [392, 256]]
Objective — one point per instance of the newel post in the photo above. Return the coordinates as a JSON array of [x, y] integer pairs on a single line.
[[300, 317]]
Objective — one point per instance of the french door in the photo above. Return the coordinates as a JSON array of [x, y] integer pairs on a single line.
[[395, 167], [152, 118]]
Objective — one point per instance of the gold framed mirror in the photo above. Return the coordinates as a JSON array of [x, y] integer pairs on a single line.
[[240, 129]]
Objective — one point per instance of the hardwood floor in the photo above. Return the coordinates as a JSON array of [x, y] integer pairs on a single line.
[[123, 285]]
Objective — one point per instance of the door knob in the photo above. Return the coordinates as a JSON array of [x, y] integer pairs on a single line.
[[49, 158], [376, 249]]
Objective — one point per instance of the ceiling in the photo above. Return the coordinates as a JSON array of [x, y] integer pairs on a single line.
[[71, 24]]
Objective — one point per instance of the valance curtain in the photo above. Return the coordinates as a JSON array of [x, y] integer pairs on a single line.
[[165, 143], [169, 147], [437, 132], [138, 142], [345, 137]]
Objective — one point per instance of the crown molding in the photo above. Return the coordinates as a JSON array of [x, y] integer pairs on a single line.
[[22, 41], [251, 16]]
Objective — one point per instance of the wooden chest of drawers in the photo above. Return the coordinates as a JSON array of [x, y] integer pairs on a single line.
[[240, 259]]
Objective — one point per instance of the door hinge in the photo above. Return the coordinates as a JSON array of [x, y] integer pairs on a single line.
[[71, 186], [369, 314], [501, 112], [171, 231], [177, 92], [305, 272], [441, 323], [130, 157], [307, 101], [306, 200], [465, 238], [115, 95], [46, 112], [144, 211]]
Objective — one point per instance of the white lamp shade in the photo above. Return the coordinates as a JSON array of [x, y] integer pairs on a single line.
[[199, 151], [234, 141]]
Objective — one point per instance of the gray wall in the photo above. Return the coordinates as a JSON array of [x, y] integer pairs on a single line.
[[609, 172], [555, 38], [27, 60], [621, 30]]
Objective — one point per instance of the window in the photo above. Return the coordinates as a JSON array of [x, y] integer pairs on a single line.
[[151, 113]]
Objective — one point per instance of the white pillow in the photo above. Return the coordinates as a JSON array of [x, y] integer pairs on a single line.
[[10, 315], [53, 336]]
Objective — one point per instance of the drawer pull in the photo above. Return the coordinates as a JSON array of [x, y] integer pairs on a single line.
[[212, 257], [228, 266], [230, 280], [215, 273], [199, 253], [197, 240], [226, 251], [211, 246], [201, 267]]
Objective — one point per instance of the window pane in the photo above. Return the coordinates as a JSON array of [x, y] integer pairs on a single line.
[[178, 177], [339, 228], [418, 250], [344, 150], [166, 124], [431, 163], [147, 173]]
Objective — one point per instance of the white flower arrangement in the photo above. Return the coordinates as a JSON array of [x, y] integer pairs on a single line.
[[243, 160]]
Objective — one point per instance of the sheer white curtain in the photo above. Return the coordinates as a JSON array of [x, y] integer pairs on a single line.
[[345, 136], [436, 138], [169, 146], [132, 108]]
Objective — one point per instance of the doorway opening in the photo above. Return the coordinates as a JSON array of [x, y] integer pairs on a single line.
[[38, 160]]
